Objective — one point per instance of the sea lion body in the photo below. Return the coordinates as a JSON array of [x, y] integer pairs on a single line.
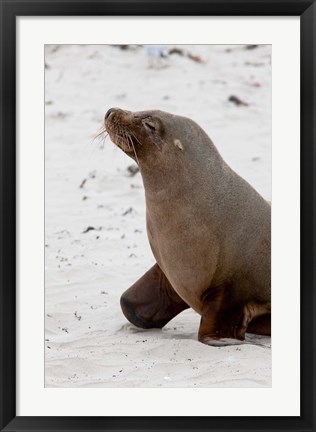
[[209, 230]]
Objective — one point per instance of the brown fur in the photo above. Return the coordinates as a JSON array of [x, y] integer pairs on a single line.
[[209, 230]]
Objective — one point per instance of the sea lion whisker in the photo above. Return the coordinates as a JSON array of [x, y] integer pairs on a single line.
[[119, 134], [134, 136], [134, 150], [102, 140], [100, 133], [130, 140], [126, 140], [101, 136]]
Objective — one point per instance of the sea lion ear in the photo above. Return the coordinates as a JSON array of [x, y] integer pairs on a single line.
[[178, 143]]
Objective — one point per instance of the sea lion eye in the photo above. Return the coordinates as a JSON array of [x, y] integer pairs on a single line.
[[150, 125]]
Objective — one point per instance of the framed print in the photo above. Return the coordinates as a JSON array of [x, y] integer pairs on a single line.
[[157, 215]]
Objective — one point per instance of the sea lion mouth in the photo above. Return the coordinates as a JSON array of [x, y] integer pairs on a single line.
[[118, 125]]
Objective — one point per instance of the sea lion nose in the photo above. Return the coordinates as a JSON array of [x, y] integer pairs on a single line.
[[109, 112]]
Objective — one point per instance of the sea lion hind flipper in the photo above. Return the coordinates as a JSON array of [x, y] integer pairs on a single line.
[[151, 302]]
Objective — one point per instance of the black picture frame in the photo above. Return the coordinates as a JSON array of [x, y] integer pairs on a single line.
[[9, 10]]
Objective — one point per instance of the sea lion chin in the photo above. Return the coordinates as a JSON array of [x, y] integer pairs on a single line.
[[209, 231]]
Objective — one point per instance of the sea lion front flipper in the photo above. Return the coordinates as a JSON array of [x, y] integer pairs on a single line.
[[225, 320], [261, 325], [151, 302], [221, 318]]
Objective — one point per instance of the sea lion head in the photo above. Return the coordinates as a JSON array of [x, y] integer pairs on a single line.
[[135, 132], [152, 134]]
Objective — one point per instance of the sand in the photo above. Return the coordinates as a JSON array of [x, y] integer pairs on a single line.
[[95, 237]]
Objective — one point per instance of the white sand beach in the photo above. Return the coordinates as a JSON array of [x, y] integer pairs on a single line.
[[95, 233]]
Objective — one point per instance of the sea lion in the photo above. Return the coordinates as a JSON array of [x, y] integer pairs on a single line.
[[209, 231]]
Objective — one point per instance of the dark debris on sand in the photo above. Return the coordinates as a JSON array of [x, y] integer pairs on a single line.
[[237, 101], [133, 170]]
